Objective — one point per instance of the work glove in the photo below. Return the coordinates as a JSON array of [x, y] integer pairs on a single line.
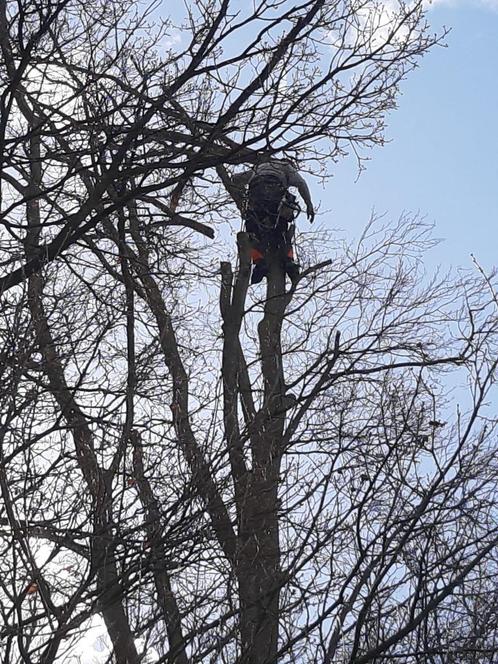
[[311, 213]]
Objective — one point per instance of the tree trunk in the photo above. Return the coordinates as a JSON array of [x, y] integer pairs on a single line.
[[259, 555]]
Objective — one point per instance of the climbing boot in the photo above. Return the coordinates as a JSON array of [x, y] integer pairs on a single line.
[[259, 272], [292, 271]]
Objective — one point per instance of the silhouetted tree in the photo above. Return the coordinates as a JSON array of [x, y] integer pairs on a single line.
[[277, 477]]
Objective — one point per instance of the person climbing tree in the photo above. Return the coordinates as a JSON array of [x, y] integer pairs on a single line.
[[271, 210]]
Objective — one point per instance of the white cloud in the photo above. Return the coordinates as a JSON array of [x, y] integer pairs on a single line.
[[482, 4], [491, 4], [370, 23], [432, 3]]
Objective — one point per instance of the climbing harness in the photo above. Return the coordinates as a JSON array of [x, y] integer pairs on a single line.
[[270, 211]]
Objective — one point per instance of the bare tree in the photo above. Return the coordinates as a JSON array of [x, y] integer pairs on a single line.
[[281, 476]]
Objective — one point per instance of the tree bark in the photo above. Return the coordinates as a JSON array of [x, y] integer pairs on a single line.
[[103, 559], [259, 552]]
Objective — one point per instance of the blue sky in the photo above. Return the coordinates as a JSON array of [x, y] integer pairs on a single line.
[[443, 156]]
